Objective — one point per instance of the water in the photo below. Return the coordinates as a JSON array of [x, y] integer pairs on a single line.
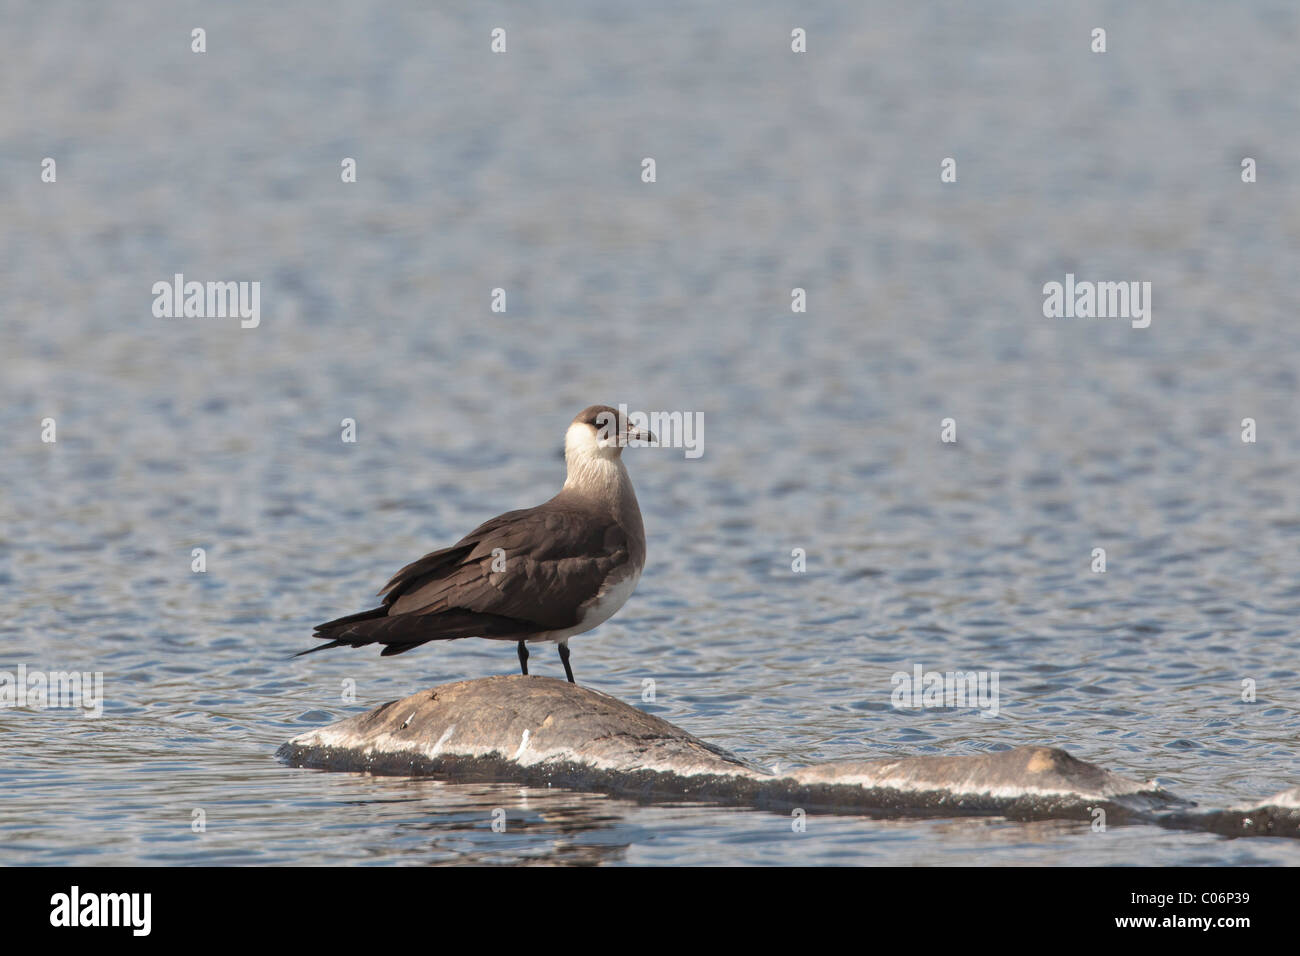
[[522, 172]]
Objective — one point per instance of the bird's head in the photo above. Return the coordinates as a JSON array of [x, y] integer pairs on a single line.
[[597, 432]]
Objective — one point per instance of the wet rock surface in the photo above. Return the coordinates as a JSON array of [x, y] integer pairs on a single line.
[[539, 731]]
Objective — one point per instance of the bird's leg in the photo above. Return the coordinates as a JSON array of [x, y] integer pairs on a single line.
[[564, 656], [523, 658]]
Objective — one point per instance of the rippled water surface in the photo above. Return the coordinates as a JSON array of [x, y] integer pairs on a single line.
[[522, 171]]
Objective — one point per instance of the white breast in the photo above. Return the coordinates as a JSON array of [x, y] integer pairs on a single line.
[[608, 602], [604, 606]]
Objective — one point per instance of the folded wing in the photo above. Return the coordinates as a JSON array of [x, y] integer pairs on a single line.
[[522, 573]]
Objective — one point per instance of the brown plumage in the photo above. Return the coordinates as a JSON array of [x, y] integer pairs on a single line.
[[566, 562]]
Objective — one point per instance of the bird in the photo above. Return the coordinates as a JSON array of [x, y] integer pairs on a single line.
[[535, 575]]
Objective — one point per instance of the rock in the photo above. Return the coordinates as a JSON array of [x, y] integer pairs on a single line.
[[543, 732]]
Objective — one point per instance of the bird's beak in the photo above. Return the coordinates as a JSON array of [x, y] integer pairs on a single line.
[[639, 437]]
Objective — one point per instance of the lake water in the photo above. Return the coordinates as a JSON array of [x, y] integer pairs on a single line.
[[775, 170]]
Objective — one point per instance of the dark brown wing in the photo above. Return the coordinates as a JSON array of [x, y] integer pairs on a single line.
[[552, 560]]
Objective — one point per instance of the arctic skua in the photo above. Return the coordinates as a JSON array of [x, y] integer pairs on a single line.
[[540, 574]]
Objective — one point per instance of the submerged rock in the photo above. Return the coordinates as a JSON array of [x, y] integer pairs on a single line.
[[1023, 782], [1278, 815]]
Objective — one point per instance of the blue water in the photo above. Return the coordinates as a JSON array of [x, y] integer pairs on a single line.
[[774, 171]]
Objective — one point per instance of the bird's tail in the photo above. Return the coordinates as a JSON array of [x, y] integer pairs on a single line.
[[332, 630], [400, 633]]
